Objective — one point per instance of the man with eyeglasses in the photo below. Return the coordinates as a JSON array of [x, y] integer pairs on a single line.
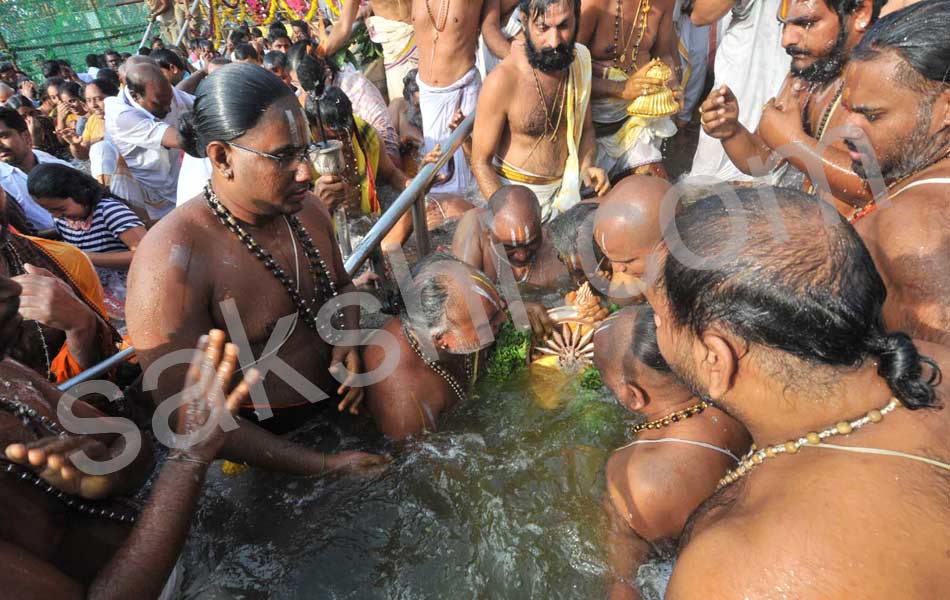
[[142, 124]]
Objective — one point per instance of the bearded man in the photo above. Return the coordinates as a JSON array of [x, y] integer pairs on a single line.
[[533, 126], [897, 103], [820, 37], [782, 328], [623, 36]]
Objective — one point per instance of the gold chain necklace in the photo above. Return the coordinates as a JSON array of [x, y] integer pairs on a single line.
[[680, 415], [756, 456], [558, 109], [641, 16]]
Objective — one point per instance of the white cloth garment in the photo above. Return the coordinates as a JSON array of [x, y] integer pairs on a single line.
[[438, 106], [194, 176], [137, 135], [104, 160], [751, 61], [13, 182], [485, 59]]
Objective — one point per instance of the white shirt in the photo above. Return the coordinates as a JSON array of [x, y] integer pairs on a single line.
[[195, 174], [13, 182], [137, 135]]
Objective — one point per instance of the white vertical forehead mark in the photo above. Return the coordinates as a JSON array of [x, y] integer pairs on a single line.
[[603, 241], [514, 236], [526, 233], [294, 130]]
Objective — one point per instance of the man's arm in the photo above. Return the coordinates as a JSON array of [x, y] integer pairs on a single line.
[[189, 85], [491, 118], [707, 12], [342, 28], [626, 551], [666, 47], [160, 8], [720, 119], [496, 41], [466, 242], [591, 12]]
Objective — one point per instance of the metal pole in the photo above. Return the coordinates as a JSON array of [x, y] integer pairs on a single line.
[[148, 30], [184, 27], [407, 198], [420, 226], [94, 371]]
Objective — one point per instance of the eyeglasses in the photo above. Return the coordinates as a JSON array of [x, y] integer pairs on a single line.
[[287, 159]]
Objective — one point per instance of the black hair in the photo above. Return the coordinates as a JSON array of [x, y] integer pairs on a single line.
[[110, 77], [300, 25], [311, 72], [336, 110], [221, 115], [275, 59], [219, 60], [12, 119], [275, 31], [167, 59], [918, 34], [532, 9], [71, 88], [17, 101], [48, 83], [53, 180], [256, 32], [52, 68], [571, 230], [111, 51], [6, 66], [846, 8], [157, 40], [126, 55], [205, 45], [92, 60], [237, 37], [644, 347], [144, 51], [410, 85], [245, 51], [105, 86], [811, 292]]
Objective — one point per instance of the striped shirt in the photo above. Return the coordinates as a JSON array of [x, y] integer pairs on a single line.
[[109, 219]]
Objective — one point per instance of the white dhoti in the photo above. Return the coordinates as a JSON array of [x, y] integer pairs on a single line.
[[752, 62], [400, 54], [485, 59], [546, 189], [438, 106], [636, 142]]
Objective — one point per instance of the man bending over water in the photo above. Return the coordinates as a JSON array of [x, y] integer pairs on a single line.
[[254, 255], [783, 330], [681, 450]]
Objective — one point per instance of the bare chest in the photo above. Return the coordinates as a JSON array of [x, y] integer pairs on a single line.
[[626, 33]]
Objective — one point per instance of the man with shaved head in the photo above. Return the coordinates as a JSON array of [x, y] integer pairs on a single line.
[[142, 123], [452, 313], [626, 227], [682, 448], [508, 235]]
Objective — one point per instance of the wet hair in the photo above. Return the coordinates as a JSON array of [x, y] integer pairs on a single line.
[[336, 110], [105, 86], [144, 51], [532, 9], [846, 8], [275, 59], [918, 35], [12, 119], [71, 88], [410, 85], [644, 347], [245, 51], [311, 71], [219, 115], [811, 292], [433, 286], [109, 76], [572, 229], [167, 59], [53, 180]]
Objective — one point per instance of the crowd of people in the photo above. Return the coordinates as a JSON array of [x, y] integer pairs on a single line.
[[778, 311]]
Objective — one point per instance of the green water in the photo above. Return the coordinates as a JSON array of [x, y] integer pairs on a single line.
[[503, 502]]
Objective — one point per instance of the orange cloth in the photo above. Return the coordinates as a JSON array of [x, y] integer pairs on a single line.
[[77, 266]]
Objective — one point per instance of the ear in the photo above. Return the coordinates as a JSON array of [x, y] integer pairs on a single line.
[[941, 108], [220, 156], [716, 363], [633, 397], [861, 18]]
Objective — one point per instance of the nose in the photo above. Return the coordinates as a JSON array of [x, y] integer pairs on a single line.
[[304, 171], [790, 36], [519, 255]]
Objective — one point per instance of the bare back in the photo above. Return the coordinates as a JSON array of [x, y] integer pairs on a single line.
[[827, 523], [447, 37], [909, 240]]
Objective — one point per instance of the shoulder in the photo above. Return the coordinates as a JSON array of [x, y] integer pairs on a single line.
[[172, 243], [644, 491], [911, 235]]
